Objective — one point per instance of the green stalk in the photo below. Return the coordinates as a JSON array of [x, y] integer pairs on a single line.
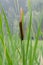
[[30, 53], [29, 31], [7, 25], [23, 52]]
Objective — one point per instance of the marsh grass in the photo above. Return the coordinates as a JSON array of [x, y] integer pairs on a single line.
[[20, 52]]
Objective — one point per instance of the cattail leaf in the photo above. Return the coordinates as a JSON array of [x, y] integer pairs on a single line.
[[7, 25], [29, 27], [30, 53], [0, 24]]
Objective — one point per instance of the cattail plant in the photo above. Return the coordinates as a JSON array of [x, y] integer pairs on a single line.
[[20, 24], [22, 36]]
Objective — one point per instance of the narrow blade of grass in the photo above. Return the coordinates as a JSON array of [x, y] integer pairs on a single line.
[[30, 53], [7, 25], [0, 35], [23, 54], [0, 23], [29, 26]]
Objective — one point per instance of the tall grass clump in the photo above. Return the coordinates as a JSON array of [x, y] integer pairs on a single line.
[[3, 43], [19, 52]]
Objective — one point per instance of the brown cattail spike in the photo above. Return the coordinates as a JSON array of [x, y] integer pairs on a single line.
[[20, 24]]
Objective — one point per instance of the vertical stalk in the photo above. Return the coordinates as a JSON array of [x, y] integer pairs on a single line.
[[22, 36]]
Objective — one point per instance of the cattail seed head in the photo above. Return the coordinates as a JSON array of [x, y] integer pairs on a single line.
[[20, 24]]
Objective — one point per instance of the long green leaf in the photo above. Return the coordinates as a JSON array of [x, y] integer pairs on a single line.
[[29, 27], [7, 25]]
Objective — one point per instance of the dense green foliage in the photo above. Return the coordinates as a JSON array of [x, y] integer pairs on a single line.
[[14, 51]]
